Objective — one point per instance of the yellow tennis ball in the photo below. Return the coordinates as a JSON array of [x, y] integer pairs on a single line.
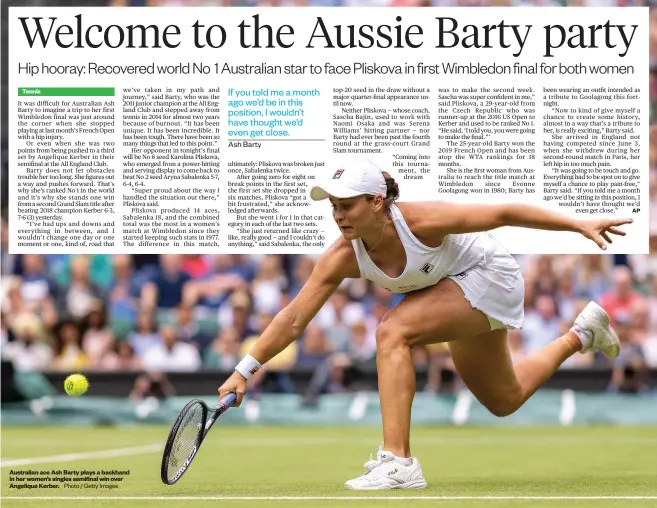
[[76, 385]]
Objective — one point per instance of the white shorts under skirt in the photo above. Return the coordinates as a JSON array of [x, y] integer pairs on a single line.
[[496, 288]]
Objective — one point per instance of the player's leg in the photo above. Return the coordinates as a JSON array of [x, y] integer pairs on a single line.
[[435, 314], [441, 313], [438, 313], [484, 362]]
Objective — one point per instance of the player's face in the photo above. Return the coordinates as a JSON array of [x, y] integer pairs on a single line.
[[354, 216]]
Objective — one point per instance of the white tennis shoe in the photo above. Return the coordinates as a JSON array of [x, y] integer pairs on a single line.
[[389, 472], [602, 336]]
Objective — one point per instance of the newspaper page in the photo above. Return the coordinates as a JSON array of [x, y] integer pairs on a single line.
[[177, 130]]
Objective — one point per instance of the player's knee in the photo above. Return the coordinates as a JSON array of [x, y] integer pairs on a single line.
[[390, 335], [504, 405], [501, 409]]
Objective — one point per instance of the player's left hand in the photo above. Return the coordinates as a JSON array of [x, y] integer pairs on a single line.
[[600, 230]]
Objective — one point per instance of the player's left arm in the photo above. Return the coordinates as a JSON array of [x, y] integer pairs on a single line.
[[468, 218]]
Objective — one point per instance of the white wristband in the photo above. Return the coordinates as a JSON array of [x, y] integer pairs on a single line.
[[248, 366]]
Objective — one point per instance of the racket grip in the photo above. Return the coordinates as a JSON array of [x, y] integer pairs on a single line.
[[226, 402]]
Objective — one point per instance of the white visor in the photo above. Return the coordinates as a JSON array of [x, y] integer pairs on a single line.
[[354, 178]]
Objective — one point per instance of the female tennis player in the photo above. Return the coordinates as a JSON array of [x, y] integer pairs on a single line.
[[461, 287]]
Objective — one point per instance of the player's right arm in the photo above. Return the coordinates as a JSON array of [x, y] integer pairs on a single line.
[[335, 265]]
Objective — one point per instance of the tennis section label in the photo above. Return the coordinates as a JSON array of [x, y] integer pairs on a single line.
[[30, 479], [205, 132]]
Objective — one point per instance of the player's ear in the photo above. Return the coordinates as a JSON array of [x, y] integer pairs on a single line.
[[377, 203]]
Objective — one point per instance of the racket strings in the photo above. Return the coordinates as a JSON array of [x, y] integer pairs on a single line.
[[186, 439]]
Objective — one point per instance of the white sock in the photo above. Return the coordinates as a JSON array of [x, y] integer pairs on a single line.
[[585, 336], [405, 461]]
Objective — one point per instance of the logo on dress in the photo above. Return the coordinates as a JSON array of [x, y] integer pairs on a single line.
[[338, 174], [426, 268], [461, 275]]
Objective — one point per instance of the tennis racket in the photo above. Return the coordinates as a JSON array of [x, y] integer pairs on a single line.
[[187, 434]]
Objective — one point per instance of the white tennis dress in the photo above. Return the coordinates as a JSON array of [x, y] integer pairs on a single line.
[[488, 275]]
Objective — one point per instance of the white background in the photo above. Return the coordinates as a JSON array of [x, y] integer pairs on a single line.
[[317, 120]]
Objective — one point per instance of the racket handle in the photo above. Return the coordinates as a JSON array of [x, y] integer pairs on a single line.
[[226, 402]]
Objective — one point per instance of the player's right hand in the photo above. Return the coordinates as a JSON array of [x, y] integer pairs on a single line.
[[236, 384]]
